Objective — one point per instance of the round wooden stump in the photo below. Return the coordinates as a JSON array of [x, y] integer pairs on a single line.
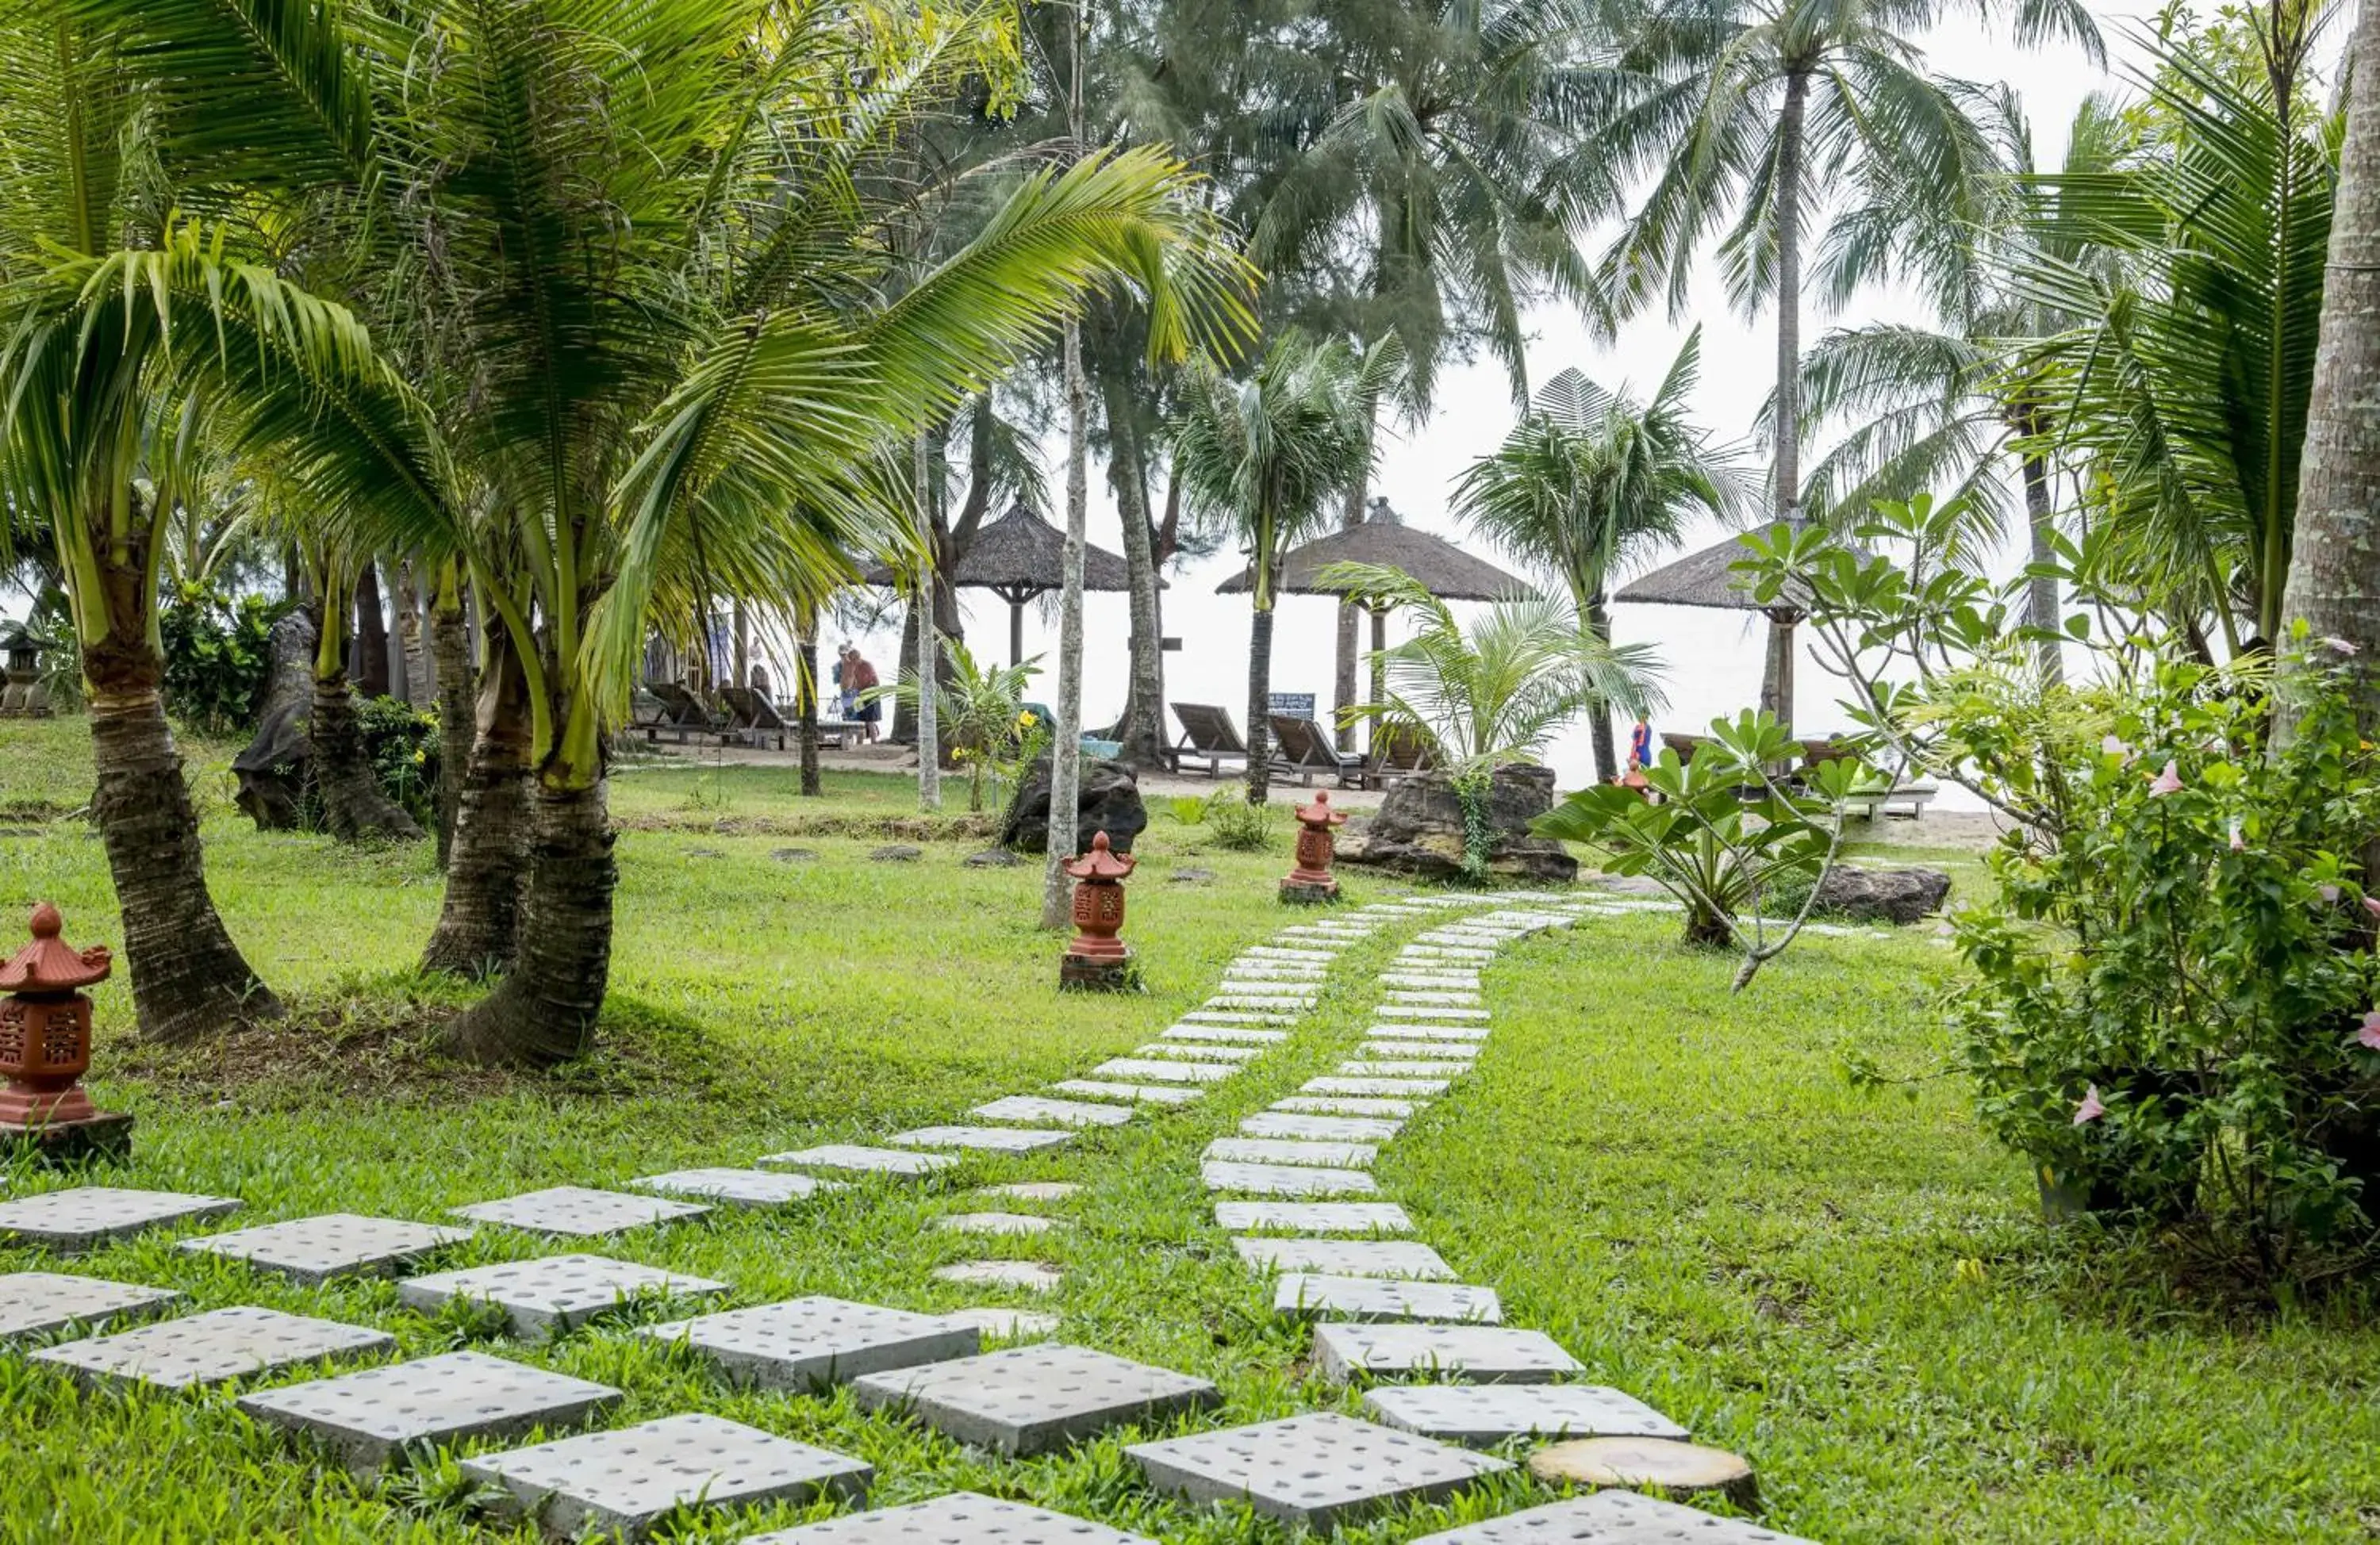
[[1676, 1470]]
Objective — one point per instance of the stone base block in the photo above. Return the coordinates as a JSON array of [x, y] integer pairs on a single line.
[[1086, 974], [103, 1138], [1305, 893]]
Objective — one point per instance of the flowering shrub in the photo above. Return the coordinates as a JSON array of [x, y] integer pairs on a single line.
[[2172, 1004]]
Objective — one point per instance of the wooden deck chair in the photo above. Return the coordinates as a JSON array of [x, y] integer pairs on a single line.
[[1304, 748], [751, 718], [1209, 736], [1394, 757], [685, 715]]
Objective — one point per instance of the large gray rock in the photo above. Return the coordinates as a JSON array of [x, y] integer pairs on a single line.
[[1108, 802], [273, 769], [1419, 829], [1886, 894]]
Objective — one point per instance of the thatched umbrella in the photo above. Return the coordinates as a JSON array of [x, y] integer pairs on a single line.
[[1020, 556], [1443, 569], [1709, 578]]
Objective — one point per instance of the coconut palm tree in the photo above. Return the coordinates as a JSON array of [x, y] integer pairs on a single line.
[[1265, 456], [651, 251], [1767, 121], [1499, 689], [1591, 481]]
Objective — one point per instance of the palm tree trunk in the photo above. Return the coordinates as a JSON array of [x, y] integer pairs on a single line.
[[544, 1010], [1598, 712], [371, 668], [904, 729], [2334, 573], [2041, 591], [479, 923], [189, 979], [354, 808], [1259, 704], [1349, 624], [450, 646], [421, 682], [1776, 687], [806, 704], [1142, 730]]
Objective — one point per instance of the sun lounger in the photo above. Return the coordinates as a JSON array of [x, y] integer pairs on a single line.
[[1304, 749], [1209, 736], [683, 715], [752, 719], [1395, 756]]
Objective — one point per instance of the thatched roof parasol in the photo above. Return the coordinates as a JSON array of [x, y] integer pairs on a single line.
[[1443, 569], [1706, 578], [1020, 556]]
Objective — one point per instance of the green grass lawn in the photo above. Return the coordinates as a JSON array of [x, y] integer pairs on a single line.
[[1849, 1287]]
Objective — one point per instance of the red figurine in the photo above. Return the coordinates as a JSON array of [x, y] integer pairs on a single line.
[[1095, 958], [1312, 879], [45, 1046]]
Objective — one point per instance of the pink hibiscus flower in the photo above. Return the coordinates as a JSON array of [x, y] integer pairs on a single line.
[[2090, 1109]]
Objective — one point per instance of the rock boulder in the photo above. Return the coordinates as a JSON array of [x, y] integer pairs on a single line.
[[1881, 895], [1419, 829], [1109, 801], [273, 771]]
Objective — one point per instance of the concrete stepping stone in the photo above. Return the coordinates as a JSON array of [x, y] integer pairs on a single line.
[[996, 1222], [862, 1159], [1028, 1191], [85, 1217], [1157, 1070], [1225, 1034], [1401, 1068], [1028, 1400], [1354, 1297], [986, 1140], [1611, 1518], [43, 1303], [1347, 1104], [1138, 1093], [1340, 926], [212, 1347], [1438, 994], [1349, 1258], [802, 1344], [1324, 958], [959, 1519], [1267, 1003], [1464, 952], [1481, 1415], [549, 1295], [1035, 1109], [1675, 1470], [1292, 1151], [1411, 1011], [1034, 1276], [1314, 1218], [625, 1480], [738, 1187], [1467, 1354], [1453, 1034], [332, 1245], [1236, 1017], [370, 1418], [1431, 978], [1319, 1129], [1007, 1324], [1312, 1470], [1286, 1179], [1198, 1052], [576, 1209], [1462, 1054], [1391, 1089], [1275, 970]]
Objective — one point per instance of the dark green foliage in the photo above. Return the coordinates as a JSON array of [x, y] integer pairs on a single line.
[[403, 744], [218, 657]]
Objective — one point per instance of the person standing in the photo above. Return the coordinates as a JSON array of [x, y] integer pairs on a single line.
[[858, 677], [842, 688]]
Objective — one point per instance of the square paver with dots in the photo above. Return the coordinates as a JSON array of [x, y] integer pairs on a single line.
[[553, 1293], [804, 1344], [332, 1245], [625, 1479], [1030, 1400], [211, 1349], [959, 1519], [85, 1217], [372, 1416], [576, 1209], [1314, 1470], [1613, 1518]]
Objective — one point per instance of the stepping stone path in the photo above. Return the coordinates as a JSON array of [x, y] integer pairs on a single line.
[[1031, 1400], [738, 1187], [213, 1348], [1316, 1217], [1007, 1324], [996, 1222], [335, 1245], [552, 1294], [1139, 1094], [990, 1140], [369, 1418], [1285, 1179], [1347, 1258], [1482, 1416], [865, 1160], [86, 1217], [960, 1518], [1311, 1470], [1033, 1109], [808, 1344], [1030, 1275], [1354, 1297], [42, 1303], [625, 1479], [1321, 1129], [1289, 1150], [1474, 1354], [575, 1209]]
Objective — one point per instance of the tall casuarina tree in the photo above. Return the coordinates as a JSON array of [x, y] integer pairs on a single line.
[[1760, 123]]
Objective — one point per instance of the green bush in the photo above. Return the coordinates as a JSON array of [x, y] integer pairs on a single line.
[[1239, 826], [2172, 1005], [1188, 809], [403, 744], [218, 657]]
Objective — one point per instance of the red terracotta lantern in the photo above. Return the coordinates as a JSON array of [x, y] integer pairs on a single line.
[[1312, 879], [1095, 958], [45, 1046]]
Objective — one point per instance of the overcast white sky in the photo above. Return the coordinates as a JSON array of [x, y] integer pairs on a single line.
[[1713, 658]]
